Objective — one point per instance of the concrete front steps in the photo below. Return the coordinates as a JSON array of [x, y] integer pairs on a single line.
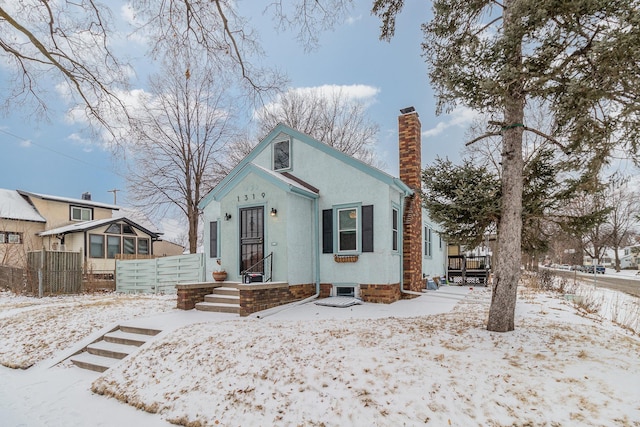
[[225, 299], [112, 347]]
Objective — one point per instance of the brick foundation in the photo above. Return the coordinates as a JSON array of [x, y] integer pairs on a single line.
[[325, 290], [254, 297], [189, 294], [384, 294], [258, 297]]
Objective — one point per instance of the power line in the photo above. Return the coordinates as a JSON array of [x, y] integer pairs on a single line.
[[60, 153]]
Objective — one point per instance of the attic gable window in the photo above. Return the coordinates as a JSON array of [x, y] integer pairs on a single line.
[[282, 155]]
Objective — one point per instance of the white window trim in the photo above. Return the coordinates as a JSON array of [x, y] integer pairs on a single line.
[[397, 229], [81, 210], [428, 242], [337, 210]]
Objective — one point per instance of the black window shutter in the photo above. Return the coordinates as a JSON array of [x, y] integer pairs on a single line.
[[327, 231], [367, 228], [213, 239]]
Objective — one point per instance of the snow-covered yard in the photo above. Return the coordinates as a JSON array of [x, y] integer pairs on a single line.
[[427, 361]]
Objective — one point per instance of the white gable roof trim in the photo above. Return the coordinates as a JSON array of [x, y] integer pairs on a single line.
[[215, 194], [275, 178]]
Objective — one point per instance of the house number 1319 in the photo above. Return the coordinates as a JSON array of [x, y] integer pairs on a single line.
[[248, 197]]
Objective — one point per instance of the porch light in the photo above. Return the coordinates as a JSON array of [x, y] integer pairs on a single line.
[[274, 212], [227, 216]]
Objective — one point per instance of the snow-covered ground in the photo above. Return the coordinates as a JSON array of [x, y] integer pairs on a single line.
[[426, 361]]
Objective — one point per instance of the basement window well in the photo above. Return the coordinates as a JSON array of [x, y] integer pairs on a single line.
[[345, 290]]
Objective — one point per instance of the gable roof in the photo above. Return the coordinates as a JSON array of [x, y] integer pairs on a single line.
[[90, 225], [14, 206], [80, 202], [285, 183], [306, 139]]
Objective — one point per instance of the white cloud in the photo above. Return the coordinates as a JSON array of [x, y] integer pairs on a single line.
[[353, 19], [86, 144], [461, 117], [26, 143], [360, 92], [128, 15], [356, 92]]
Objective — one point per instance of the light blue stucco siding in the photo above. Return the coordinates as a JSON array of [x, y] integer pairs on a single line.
[[250, 191], [343, 186], [433, 264], [295, 233], [298, 236], [288, 234]]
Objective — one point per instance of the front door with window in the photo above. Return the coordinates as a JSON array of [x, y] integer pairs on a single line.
[[252, 239]]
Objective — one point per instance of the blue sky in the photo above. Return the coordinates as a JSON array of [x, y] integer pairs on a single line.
[[54, 157]]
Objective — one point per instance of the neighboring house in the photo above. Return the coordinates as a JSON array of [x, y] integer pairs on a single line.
[[162, 248], [629, 257], [19, 224], [328, 221], [37, 221]]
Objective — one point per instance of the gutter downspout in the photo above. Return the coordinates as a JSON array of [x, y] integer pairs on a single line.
[[402, 290], [316, 230]]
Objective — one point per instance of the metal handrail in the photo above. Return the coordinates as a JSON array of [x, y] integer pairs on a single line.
[[264, 270]]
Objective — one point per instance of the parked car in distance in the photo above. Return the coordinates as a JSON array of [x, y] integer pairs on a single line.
[[598, 268], [578, 268]]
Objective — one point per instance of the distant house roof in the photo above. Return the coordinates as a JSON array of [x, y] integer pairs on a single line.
[[89, 225], [14, 206], [80, 202]]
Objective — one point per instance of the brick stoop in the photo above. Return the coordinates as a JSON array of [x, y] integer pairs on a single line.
[[225, 299], [112, 347]]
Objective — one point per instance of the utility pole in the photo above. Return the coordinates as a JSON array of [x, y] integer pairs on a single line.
[[115, 192]]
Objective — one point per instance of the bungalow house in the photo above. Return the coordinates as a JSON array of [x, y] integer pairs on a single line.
[[31, 221], [298, 212]]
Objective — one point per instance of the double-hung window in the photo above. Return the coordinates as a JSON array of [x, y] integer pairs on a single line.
[[427, 242], [394, 229], [348, 229]]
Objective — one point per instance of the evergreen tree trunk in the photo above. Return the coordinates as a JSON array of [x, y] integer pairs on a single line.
[[507, 274]]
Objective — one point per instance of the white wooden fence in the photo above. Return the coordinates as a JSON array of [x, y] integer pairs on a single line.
[[158, 275]]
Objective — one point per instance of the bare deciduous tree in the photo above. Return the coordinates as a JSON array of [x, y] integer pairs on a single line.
[[178, 140], [624, 202], [45, 43], [328, 114]]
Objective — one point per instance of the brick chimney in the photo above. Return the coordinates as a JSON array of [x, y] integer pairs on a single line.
[[410, 173]]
